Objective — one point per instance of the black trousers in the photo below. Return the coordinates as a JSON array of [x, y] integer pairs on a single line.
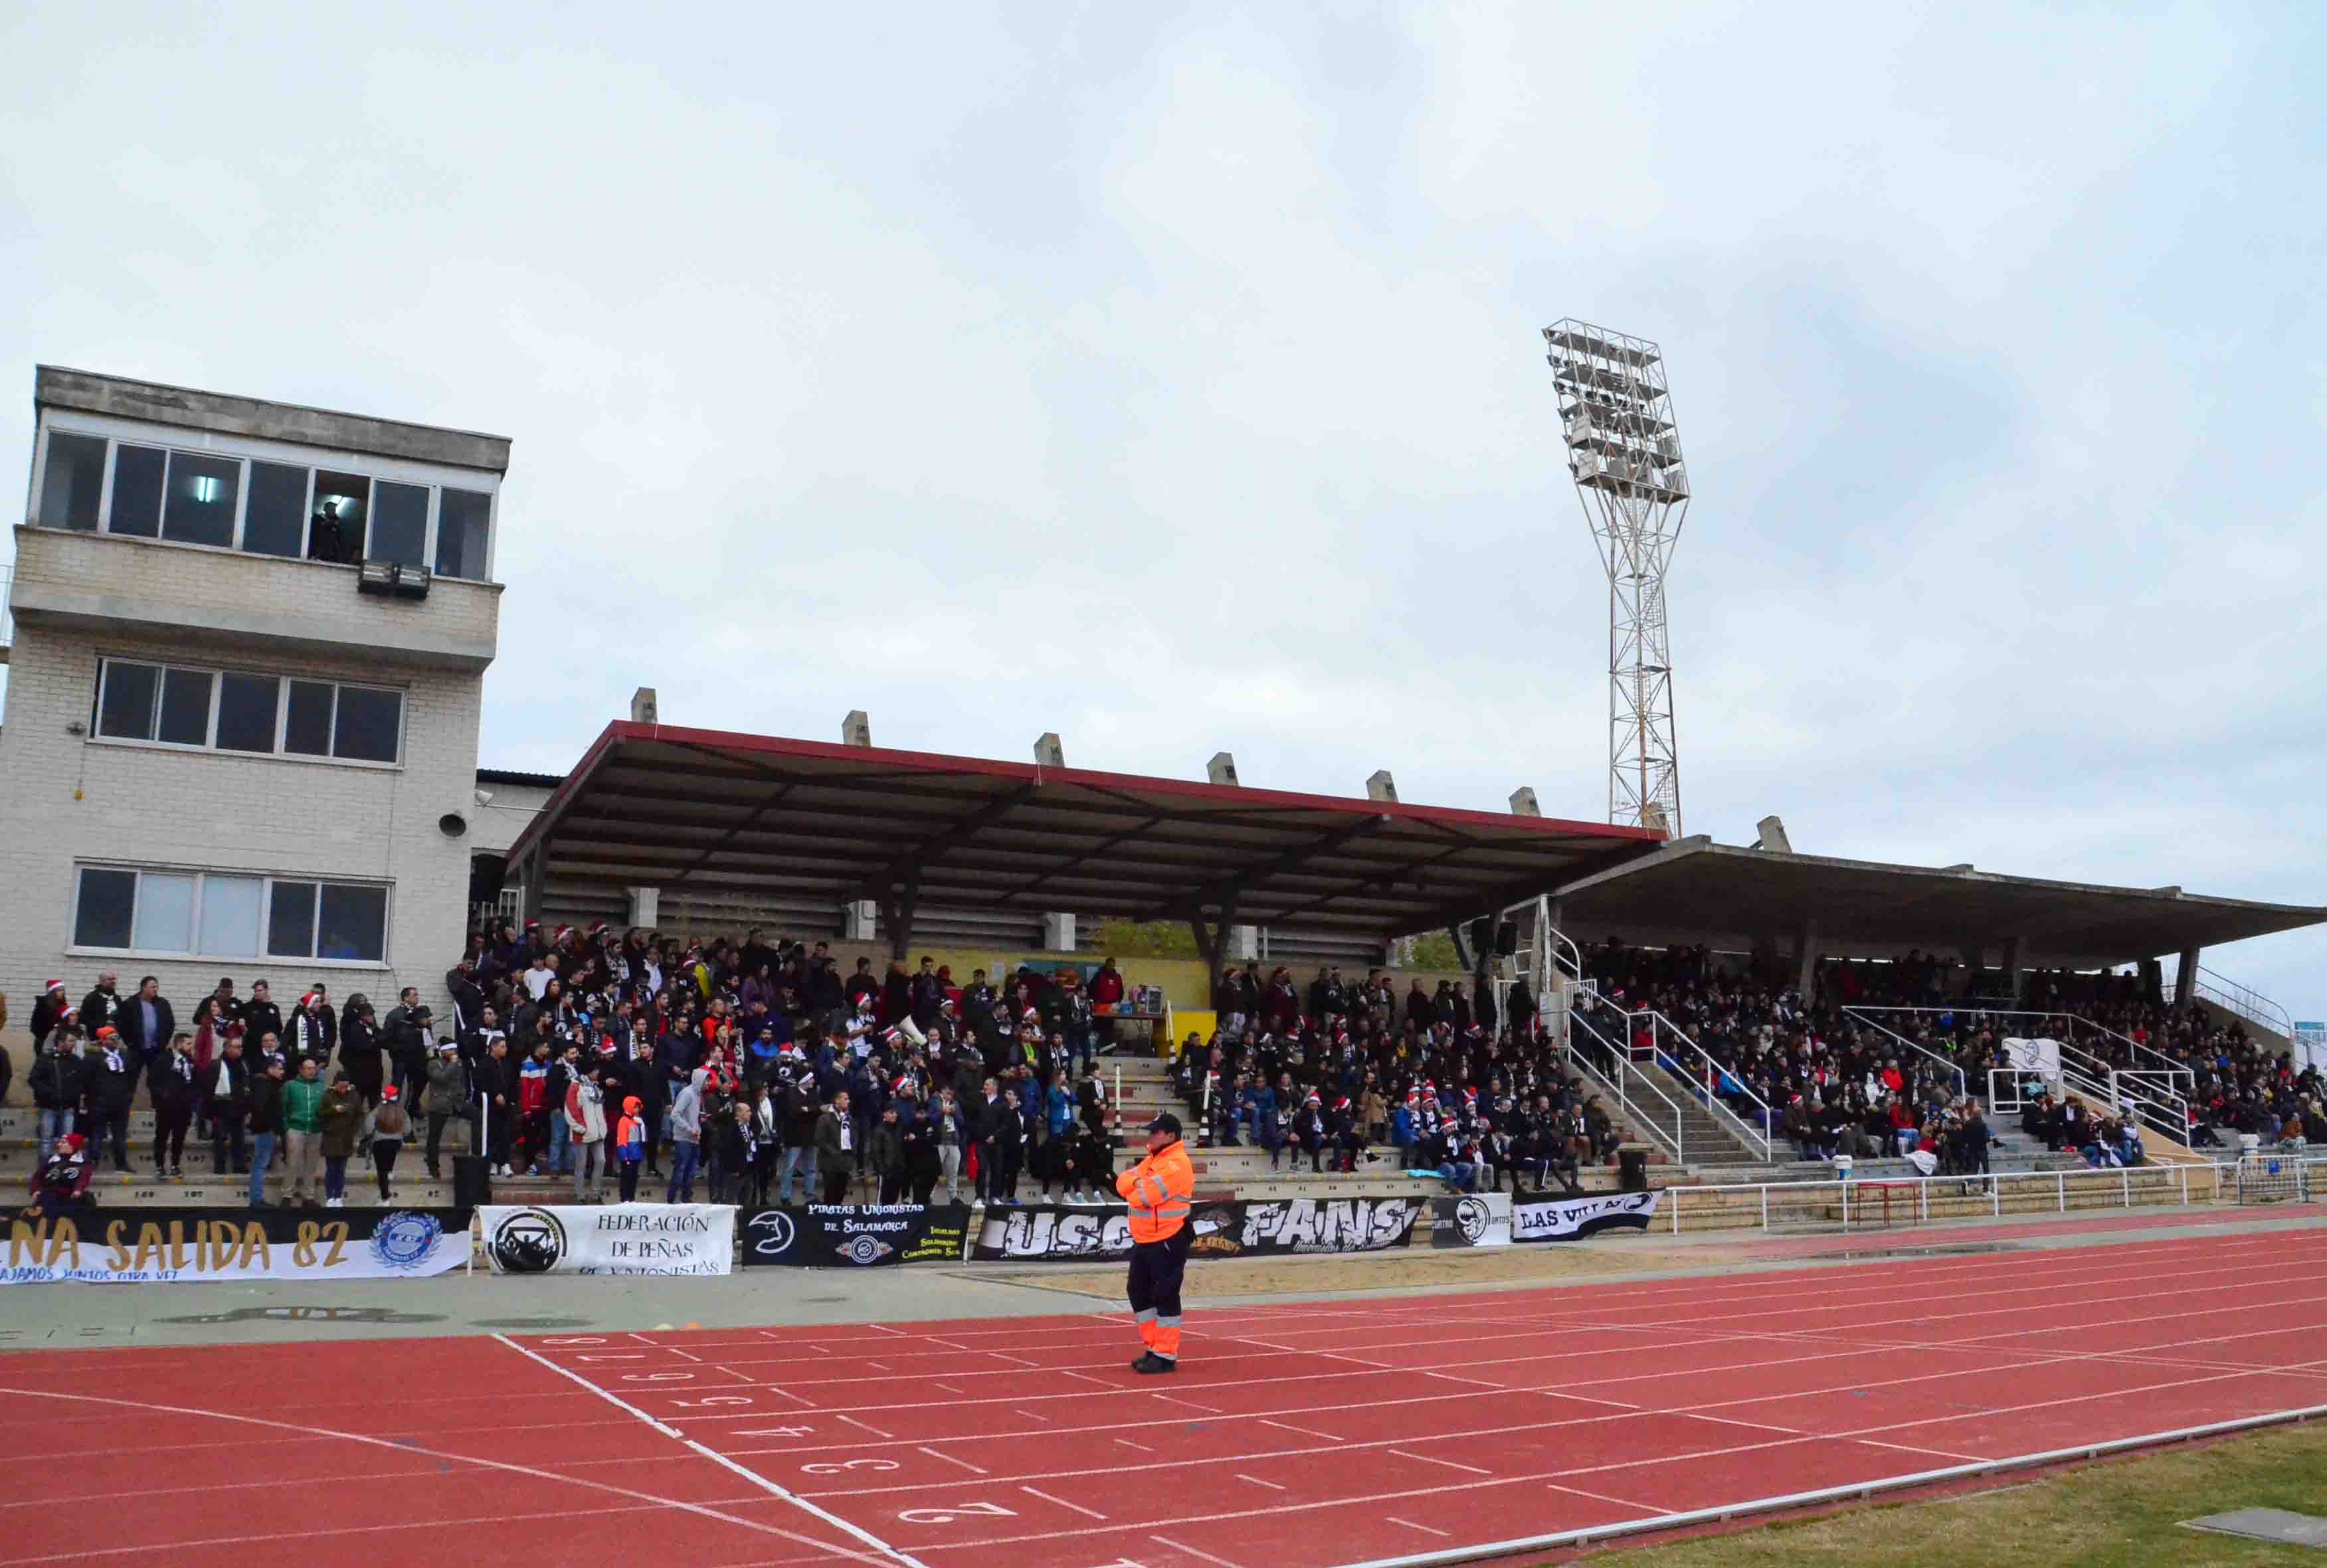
[[169, 1124], [111, 1124], [1156, 1269], [836, 1186]]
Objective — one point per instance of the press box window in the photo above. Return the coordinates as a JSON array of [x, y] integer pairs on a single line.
[[137, 475], [275, 518], [341, 511], [203, 493], [463, 520], [72, 486]]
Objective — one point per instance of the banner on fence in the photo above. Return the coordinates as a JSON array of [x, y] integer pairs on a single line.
[[1565, 1218], [2041, 1057], [615, 1239], [169, 1246], [856, 1236], [1472, 1220], [1057, 1233]]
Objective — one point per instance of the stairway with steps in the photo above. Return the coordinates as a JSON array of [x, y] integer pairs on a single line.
[[1705, 1139]]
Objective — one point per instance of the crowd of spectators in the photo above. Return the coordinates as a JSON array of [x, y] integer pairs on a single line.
[[1834, 1083], [257, 1085], [1344, 1069]]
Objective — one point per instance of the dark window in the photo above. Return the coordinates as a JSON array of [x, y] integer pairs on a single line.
[[73, 482], [275, 518], [186, 708], [367, 723], [125, 711], [354, 923], [399, 524], [202, 495], [307, 719], [462, 520], [342, 508], [246, 704], [107, 899], [137, 490], [291, 921]]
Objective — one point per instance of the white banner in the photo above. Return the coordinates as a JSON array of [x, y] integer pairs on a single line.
[[1565, 1218], [166, 1246], [614, 1238], [1474, 1220], [2042, 1056]]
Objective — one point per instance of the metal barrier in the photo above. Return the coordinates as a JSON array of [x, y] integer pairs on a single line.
[[1855, 1014], [1618, 1078], [1878, 1202], [1705, 1076]]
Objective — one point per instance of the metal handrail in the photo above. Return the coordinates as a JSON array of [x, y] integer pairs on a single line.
[[2152, 1179], [1850, 1011], [2243, 1000], [1712, 1100], [1634, 1114], [2140, 1049], [2155, 1115]]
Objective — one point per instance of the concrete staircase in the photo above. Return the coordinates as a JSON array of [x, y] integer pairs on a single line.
[[1706, 1139]]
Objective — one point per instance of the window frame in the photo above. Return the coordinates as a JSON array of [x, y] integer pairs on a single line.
[[218, 676], [267, 880], [243, 451]]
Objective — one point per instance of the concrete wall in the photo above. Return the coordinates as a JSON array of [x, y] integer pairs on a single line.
[[66, 799], [106, 583]]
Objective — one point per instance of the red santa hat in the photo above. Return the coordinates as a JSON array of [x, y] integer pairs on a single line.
[[558, 939], [54, 988]]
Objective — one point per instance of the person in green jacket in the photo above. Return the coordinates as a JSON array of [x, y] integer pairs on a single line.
[[302, 1127], [342, 1117]]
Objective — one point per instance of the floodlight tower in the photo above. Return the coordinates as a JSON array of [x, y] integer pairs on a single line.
[[1624, 452]]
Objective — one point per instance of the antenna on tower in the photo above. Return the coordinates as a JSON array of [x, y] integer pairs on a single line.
[[1624, 452]]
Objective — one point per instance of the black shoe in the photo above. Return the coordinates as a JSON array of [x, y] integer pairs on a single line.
[[1150, 1364]]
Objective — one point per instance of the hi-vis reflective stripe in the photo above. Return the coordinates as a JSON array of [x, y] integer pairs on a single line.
[[1153, 1181], [1171, 1211], [1170, 1322], [1147, 1315]]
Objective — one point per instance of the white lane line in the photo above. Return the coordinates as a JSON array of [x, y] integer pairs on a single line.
[[878, 1366], [1256, 1481], [1078, 1507], [794, 1398], [948, 1388], [1409, 1524], [1087, 1378], [856, 1532], [1175, 1399], [1304, 1431], [1604, 1498], [410, 1448], [1191, 1551], [973, 1469], [1031, 1417], [1019, 1360], [676, 1351], [869, 1427], [1474, 1382], [1449, 1464]]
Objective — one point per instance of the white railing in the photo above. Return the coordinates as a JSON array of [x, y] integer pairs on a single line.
[[2160, 1094], [1706, 1074], [2243, 1000], [1639, 1117], [1845, 1204], [1852, 1012]]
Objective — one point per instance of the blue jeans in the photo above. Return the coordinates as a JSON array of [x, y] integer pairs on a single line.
[[54, 1124], [683, 1158], [262, 1151], [1461, 1174], [801, 1158], [561, 1152]]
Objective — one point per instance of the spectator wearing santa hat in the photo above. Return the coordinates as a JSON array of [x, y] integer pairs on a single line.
[[389, 1125], [47, 1009], [112, 1084], [61, 1180]]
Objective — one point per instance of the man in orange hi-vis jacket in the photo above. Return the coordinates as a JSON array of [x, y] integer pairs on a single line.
[[1161, 1190]]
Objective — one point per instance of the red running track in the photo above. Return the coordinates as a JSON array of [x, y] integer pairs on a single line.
[[1296, 1435]]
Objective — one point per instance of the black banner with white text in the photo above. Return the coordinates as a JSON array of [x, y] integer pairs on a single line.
[[855, 1235]]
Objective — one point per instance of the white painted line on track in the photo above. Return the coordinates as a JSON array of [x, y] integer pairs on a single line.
[[1078, 1507], [857, 1532]]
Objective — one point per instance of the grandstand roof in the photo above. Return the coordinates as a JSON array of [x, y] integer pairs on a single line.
[[1695, 890], [655, 804]]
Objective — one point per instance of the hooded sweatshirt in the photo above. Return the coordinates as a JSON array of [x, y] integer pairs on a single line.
[[631, 1133]]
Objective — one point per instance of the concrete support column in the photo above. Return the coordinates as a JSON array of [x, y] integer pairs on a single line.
[[1806, 958], [2185, 987], [2012, 966]]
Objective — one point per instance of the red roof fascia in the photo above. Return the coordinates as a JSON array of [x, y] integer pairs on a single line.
[[623, 730]]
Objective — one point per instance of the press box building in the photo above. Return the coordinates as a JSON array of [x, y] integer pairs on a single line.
[[245, 671]]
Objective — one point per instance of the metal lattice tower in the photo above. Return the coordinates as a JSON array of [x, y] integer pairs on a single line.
[[1624, 452]]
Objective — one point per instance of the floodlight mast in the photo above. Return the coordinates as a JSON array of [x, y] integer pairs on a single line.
[[1624, 450]]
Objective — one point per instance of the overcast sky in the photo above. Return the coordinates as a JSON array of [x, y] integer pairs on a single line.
[[1173, 381]]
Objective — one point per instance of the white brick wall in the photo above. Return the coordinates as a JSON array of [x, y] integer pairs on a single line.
[[66, 799]]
